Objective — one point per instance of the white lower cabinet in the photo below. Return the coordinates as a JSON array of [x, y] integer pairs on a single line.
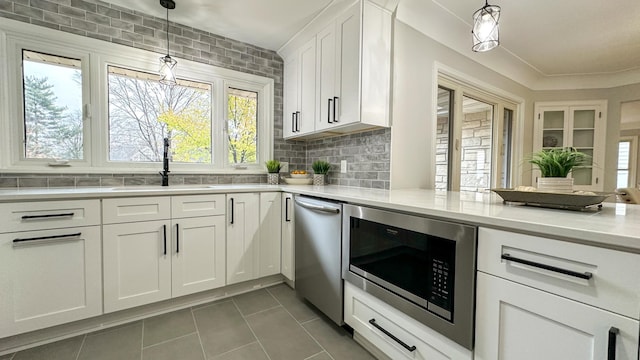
[[149, 261], [420, 342], [242, 236], [253, 236], [515, 321], [198, 254], [288, 237], [48, 278], [541, 298], [270, 234], [137, 263]]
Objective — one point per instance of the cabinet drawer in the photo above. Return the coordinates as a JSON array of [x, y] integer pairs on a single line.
[[360, 308], [197, 205], [135, 209], [49, 277], [600, 277], [26, 216]]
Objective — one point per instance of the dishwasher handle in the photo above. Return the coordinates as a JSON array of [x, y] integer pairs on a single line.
[[328, 209]]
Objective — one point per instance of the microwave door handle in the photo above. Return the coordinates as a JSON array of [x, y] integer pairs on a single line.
[[318, 207]]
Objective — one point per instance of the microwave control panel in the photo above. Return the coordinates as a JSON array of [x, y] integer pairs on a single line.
[[441, 283]]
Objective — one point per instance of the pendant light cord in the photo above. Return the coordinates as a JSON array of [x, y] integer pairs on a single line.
[[168, 30]]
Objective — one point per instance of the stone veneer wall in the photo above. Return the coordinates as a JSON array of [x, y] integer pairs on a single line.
[[475, 168], [367, 153]]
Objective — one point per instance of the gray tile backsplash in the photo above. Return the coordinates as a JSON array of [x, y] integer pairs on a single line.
[[367, 153]]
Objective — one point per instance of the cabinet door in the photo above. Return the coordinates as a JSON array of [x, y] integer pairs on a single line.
[[137, 264], [326, 75], [347, 93], [290, 98], [49, 281], [518, 322], [270, 234], [198, 254], [305, 120], [288, 243], [242, 236], [587, 135]]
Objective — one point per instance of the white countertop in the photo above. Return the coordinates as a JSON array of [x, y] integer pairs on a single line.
[[615, 226]]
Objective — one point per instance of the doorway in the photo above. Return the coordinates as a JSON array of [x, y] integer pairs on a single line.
[[474, 139]]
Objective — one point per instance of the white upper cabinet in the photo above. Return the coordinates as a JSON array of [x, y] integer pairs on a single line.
[[300, 90], [577, 124], [351, 72]]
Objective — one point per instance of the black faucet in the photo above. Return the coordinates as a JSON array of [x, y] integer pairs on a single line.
[[165, 163]]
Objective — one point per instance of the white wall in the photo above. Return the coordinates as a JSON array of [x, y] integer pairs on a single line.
[[416, 59]]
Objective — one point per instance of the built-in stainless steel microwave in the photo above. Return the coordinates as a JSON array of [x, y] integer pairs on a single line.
[[421, 266]]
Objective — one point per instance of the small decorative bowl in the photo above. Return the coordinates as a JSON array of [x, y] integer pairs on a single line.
[[299, 176]]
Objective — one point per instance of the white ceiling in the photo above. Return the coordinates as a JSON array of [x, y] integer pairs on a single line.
[[548, 38], [568, 36], [265, 23]]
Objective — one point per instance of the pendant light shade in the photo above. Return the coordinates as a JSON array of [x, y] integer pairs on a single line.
[[486, 30], [167, 63]]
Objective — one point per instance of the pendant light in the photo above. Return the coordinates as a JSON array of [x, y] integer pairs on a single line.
[[167, 63], [486, 30]]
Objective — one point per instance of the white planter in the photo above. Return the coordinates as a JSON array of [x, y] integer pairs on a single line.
[[555, 184]]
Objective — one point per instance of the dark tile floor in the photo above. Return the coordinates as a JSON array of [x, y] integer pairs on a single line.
[[267, 324]]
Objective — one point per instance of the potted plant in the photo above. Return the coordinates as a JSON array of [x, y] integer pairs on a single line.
[[555, 165], [273, 169], [320, 170]]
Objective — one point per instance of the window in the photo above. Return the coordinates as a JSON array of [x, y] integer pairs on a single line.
[[142, 112], [242, 126], [100, 106], [52, 100], [474, 138], [627, 158]]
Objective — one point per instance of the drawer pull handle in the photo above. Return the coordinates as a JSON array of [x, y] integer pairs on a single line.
[[46, 216], [404, 345], [45, 238], [611, 350], [584, 275]]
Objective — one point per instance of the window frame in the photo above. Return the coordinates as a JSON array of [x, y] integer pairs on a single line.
[[96, 56]]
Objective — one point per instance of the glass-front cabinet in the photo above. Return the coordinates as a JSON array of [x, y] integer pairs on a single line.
[[577, 124]]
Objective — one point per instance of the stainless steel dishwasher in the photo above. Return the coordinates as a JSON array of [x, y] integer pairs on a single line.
[[319, 253]]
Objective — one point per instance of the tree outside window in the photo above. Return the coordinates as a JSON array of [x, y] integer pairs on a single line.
[[242, 122], [142, 112]]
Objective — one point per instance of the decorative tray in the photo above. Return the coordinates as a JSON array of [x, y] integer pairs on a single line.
[[578, 200]]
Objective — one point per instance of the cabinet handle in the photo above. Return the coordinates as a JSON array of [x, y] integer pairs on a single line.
[[297, 121], [404, 345], [286, 209], [329, 111], [611, 349], [177, 238], [293, 122], [584, 275], [19, 241], [164, 230], [32, 217], [335, 105], [231, 211]]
